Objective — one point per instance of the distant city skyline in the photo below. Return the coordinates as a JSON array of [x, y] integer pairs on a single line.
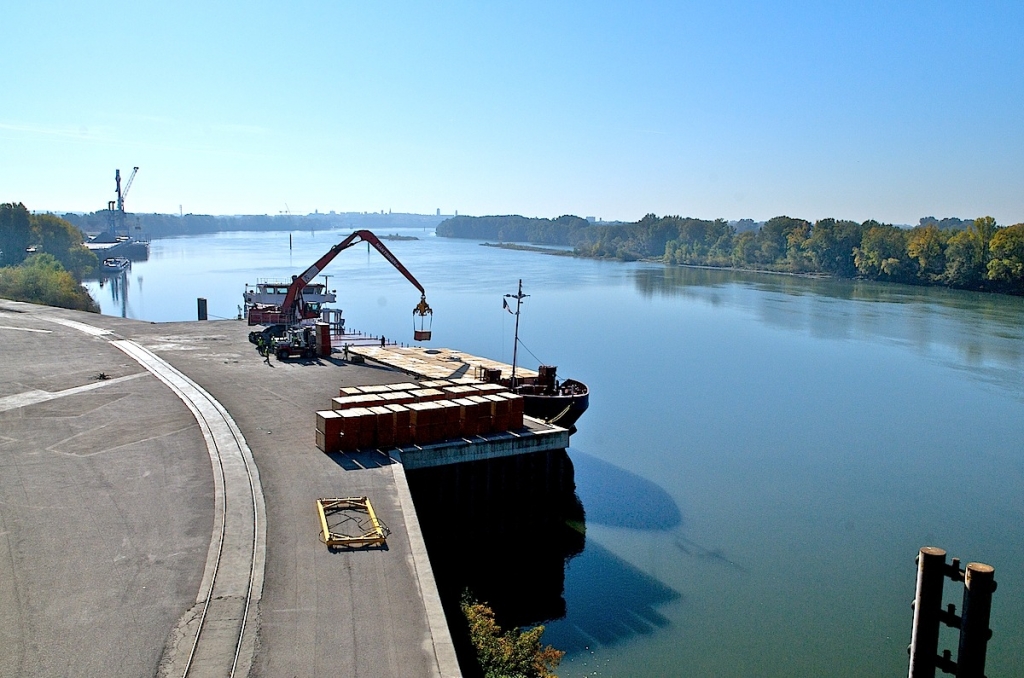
[[710, 110]]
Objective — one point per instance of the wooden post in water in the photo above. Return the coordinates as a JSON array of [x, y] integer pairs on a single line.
[[924, 640], [979, 583], [202, 308]]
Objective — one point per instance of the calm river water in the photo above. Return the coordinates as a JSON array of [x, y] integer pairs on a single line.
[[763, 455]]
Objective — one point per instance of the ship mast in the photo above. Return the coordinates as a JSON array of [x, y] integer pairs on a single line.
[[515, 346]]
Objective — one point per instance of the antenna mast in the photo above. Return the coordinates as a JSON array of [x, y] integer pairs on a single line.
[[515, 346]]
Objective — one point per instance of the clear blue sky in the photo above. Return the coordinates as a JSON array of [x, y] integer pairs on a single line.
[[884, 110]]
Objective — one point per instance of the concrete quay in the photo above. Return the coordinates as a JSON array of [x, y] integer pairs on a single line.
[[156, 479]]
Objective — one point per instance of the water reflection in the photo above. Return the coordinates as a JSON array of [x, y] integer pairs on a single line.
[[117, 284], [978, 332]]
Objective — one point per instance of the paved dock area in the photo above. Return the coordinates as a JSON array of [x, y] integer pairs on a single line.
[[109, 492]]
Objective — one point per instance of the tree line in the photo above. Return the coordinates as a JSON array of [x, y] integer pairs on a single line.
[[43, 260], [978, 254], [150, 226]]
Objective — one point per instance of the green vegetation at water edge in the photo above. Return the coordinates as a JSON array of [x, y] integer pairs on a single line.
[[43, 260], [513, 654], [978, 254]]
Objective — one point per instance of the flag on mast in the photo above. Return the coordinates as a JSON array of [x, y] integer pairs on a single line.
[[504, 304]]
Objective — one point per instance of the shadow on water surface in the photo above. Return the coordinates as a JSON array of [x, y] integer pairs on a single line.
[[508, 529], [609, 602], [618, 498]]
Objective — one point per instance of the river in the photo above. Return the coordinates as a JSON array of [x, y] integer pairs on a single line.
[[763, 455]]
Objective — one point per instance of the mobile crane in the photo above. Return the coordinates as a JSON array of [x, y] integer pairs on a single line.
[[293, 310]]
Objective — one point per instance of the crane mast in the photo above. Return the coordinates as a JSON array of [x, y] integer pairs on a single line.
[[117, 217]]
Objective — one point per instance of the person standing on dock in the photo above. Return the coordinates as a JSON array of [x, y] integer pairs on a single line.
[[382, 341]]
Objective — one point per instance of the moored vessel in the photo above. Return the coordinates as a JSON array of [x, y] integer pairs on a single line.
[[115, 265], [544, 397]]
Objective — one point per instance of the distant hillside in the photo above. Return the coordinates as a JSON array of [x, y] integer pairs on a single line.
[[169, 225]]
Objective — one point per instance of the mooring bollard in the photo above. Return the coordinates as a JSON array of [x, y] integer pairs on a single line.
[[924, 639], [979, 583], [202, 308]]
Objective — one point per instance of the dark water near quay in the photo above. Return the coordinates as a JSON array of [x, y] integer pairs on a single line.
[[762, 458]]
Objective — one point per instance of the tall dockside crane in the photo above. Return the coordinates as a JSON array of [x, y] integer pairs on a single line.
[[117, 216]]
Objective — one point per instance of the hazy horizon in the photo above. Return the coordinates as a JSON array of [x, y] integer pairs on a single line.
[[616, 110]]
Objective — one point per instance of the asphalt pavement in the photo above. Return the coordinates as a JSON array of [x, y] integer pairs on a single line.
[[108, 505]]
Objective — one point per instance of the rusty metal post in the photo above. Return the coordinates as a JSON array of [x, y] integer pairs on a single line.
[[924, 640], [979, 583]]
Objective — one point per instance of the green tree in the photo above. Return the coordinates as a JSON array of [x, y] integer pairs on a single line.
[[965, 260], [53, 235], [927, 245], [15, 233], [744, 249], [831, 246], [42, 280], [882, 253], [983, 229], [512, 654], [1007, 262]]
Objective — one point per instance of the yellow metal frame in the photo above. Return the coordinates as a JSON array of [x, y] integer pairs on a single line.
[[373, 537]]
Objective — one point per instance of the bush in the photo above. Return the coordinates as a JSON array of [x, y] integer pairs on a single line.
[[513, 654], [42, 280]]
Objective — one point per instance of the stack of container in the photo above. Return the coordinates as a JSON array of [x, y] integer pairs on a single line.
[[398, 415]]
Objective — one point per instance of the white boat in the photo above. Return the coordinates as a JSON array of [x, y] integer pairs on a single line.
[[273, 292], [115, 265]]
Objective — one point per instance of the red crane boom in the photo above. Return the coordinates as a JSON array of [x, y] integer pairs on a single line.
[[293, 309]]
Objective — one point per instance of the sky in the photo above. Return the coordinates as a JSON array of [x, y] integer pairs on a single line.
[[857, 110]]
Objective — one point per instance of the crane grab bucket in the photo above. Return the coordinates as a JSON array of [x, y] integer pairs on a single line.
[[422, 310]]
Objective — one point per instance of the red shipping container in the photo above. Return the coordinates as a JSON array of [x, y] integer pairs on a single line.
[[384, 435], [469, 414], [322, 442], [484, 413], [328, 421], [403, 417], [357, 429], [399, 398], [426, 395], [450, 419], [516, 412], [501, 410], [361, 400], [405, 386], [484, 389]]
